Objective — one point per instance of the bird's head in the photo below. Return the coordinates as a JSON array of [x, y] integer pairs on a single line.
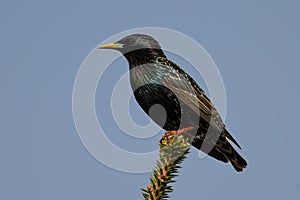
[[132, 43]]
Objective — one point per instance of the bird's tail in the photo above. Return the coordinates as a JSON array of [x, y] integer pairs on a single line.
[[237, 161], [222, 150]]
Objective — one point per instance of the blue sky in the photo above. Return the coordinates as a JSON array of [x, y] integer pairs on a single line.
[[254, 44]]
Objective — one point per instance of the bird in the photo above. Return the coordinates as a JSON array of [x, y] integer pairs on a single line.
[[155, 79]]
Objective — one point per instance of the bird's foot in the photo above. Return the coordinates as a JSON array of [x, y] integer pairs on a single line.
[[169, 135]]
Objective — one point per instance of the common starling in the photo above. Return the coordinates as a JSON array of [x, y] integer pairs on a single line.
[[157, 80]]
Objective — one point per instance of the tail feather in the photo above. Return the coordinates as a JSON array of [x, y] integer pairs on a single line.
[[237, 161], [215, 153], [222, 151]]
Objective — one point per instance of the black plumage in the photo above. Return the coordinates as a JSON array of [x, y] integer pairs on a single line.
[[157, 80]]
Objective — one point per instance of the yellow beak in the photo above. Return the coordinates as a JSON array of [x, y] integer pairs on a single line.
[[111, 46]]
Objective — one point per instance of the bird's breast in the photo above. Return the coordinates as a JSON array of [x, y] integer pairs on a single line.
[[148, 95]]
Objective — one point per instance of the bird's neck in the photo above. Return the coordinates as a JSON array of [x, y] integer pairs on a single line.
[[143, 56]]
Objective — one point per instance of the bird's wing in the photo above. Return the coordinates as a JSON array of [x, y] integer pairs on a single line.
[[189, 93]]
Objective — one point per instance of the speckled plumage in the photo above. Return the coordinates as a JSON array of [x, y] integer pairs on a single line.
[[157, 80]]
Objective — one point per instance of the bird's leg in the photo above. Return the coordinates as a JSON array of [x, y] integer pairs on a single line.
[[169, 135]]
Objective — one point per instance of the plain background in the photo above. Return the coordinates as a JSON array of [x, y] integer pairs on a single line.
[[254, 43]]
